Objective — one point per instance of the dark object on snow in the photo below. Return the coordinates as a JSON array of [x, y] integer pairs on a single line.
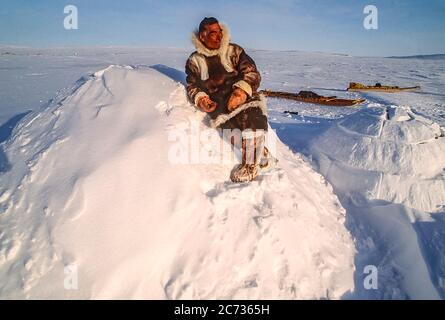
[[291, 112], [355, 86], [309, 95], [312, 97]]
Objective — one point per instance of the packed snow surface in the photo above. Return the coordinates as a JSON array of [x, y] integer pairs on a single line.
[[86, 184], [93, 189], [386, 154]]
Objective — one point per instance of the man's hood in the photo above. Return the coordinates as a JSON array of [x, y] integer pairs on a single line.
[[202, 49]]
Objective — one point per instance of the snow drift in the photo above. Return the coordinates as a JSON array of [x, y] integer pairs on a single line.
[[386, 165], [91, 192], [388, 154]]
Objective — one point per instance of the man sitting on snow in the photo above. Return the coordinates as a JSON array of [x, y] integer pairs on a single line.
[[222, 80]]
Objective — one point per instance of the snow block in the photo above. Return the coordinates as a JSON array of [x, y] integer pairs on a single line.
[[405, 149]]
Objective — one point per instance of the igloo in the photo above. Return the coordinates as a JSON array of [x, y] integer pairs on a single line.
[[389, 154]]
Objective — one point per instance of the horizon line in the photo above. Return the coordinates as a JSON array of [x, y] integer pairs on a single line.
[[86, 46]]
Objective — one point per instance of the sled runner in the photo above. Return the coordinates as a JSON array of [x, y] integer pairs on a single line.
[[312, 97], [354, 86]]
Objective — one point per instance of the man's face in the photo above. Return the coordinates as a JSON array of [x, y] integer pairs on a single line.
[[212, 36]]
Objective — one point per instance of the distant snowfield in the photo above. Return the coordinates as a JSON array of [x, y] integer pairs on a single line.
[[86, 182]]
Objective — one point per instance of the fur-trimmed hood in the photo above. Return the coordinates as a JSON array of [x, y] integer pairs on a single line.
[[202, 49], [223, 51]]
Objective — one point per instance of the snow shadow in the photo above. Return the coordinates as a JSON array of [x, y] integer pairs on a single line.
[[311, 129], [4, 163], [373, 98], [330, 89], [5, 132], [431, 93], [432, 235], [387, 239], [8, 126], [172, 73]]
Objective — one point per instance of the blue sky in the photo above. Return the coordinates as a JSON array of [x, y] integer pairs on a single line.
[[406, 27]]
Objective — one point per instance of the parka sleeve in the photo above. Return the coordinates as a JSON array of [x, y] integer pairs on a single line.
[[250, 76], [194, 92]]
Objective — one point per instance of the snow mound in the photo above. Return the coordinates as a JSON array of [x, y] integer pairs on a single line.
[[388, 154], [93, 208]]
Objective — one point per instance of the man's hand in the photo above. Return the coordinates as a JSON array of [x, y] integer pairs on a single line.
[[207, 105], [238, 97]]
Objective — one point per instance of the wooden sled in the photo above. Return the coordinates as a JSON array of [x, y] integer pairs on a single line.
[[353, 86], [312, 97]]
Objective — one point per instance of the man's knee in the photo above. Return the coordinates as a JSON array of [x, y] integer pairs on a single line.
[[252, 118]]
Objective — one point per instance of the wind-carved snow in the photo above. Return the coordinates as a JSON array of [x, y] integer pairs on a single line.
[[91, 186], [398, 153], [387, 165]]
